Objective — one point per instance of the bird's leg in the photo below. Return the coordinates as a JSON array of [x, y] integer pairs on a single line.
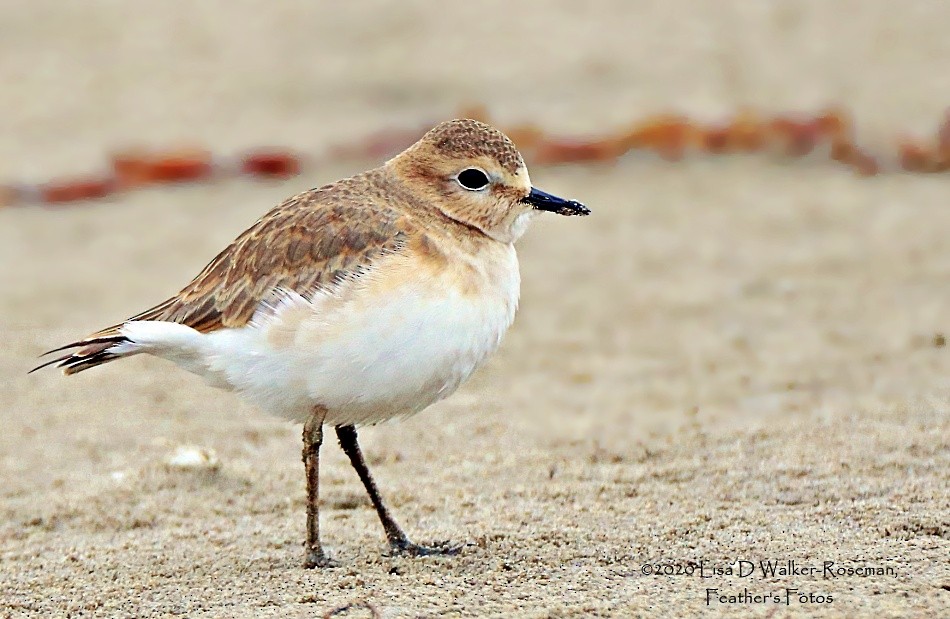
[[398, 540], [312, 439]]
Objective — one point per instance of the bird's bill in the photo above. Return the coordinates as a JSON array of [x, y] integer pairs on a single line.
[[544, 201]]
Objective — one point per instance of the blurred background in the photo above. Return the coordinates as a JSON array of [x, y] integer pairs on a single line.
[[731, 353]]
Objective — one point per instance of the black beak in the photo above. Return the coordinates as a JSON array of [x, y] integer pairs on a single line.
[[546, 202]]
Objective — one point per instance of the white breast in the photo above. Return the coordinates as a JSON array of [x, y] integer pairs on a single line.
[[390, 343]]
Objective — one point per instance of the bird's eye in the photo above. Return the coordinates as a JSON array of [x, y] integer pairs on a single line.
[[472, 179]]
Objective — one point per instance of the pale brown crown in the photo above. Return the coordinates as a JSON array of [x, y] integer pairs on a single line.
[[470, 139]]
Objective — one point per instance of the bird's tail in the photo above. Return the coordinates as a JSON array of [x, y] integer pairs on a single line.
[[100, 347]]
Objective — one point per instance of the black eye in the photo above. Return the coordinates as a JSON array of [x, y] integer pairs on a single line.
[[473, 179]]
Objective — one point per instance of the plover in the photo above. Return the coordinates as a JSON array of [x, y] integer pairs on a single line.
[[366, 299]]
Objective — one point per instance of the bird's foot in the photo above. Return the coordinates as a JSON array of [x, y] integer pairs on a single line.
[[317, 558], [407, 548]]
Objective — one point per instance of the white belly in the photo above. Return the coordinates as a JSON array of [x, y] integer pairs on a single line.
[[378, 349]]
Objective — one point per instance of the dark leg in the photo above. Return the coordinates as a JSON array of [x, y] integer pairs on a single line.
[[398, 540], [312, 439]]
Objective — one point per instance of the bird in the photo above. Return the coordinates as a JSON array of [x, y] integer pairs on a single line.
[[363, 300]]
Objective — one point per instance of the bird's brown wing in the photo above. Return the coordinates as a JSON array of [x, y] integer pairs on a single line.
[[308, 242], [305, 244]]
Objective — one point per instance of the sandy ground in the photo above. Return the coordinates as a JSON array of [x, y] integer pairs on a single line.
[[731, 360]]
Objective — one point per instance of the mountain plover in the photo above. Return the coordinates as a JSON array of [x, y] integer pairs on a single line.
[[366, 299]]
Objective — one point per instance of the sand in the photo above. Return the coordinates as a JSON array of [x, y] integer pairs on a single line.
[[732, 360]]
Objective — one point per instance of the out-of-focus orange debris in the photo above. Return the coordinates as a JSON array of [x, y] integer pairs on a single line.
[[864, 163], [744, 134], [796, 138], [72, 190], [550, 151], [830, 133], [142, 168], [668, 135], [476, 111], [273, 163], [9, 195], [914, 157], [526, 136]]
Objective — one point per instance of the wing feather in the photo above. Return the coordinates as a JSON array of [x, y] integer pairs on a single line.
[[309, 242]]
